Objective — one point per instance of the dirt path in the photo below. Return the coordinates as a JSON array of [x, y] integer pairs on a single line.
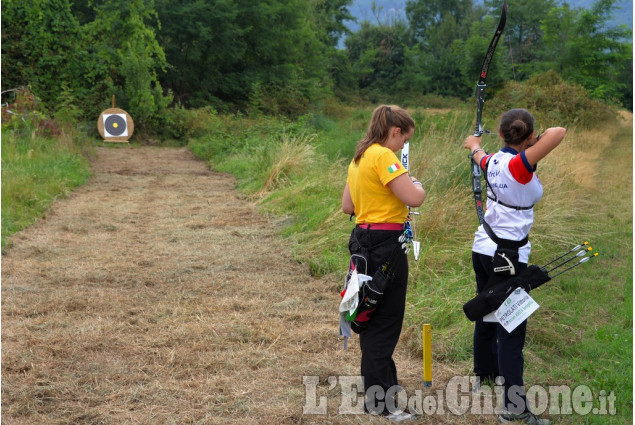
[[155, 294]]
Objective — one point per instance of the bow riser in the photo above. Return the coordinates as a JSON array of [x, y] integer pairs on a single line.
[[480, 101]]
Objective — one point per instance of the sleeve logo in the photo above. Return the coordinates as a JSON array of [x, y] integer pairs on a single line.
[[393, 168]]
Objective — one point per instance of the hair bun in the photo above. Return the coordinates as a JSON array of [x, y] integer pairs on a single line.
[[518, 128], [516, 125]]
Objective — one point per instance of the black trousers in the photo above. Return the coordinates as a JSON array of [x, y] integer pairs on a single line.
[[497, 352], [379, 340]]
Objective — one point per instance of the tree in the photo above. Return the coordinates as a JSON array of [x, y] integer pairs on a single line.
[[473, 51], [329, 17], [439, 29], [40, 47], [44, 46], [244, 52], [523, 32], [203, 44], [429, 18], [580, 46], [377, 55], [124, 42]]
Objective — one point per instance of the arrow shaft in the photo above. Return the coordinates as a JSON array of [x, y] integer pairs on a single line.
[[568, 252], [578, 254], [584, 260]]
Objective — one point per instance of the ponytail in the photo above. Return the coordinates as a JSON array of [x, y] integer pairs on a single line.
[[384, 117]]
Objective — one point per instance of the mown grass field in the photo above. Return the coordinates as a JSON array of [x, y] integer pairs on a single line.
[[295, 171]]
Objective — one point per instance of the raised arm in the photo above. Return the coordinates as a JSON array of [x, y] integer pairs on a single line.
[[473, 144], [540, 146]]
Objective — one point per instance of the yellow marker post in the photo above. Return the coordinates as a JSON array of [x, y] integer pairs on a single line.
[[427, 355]]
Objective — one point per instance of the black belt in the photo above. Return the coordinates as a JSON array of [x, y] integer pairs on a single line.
[[504, 243], [509, 206]]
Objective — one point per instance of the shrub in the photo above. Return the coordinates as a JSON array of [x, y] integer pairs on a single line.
[[288, 101], [22, 114], [552, 101]]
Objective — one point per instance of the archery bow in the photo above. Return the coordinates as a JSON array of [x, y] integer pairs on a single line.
[[480, 100], [405, 161]]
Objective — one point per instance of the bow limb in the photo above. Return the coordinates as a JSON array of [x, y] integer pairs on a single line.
[[481, 85]]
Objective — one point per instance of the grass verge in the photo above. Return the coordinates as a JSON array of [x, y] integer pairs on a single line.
[[35, 171]]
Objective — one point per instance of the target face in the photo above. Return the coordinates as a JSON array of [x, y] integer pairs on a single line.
[[115, 125]]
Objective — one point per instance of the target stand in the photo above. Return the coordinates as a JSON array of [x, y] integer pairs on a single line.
[[115, 125]]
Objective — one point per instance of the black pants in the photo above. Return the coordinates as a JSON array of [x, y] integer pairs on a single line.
[[379, 340], [497, 352]]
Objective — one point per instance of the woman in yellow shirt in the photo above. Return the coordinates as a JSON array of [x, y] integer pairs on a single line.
[[378, 191]]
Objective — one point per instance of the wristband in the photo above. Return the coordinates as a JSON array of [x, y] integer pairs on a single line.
[[471, 156]]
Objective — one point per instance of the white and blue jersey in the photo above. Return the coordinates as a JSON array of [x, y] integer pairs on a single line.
[[512, 183]]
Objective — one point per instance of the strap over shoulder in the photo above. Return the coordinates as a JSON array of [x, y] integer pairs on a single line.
[[504, 243]]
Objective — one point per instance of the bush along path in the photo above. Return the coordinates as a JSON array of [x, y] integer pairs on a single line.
[[156, 294]]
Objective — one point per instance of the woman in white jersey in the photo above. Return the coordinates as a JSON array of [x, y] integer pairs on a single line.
[[512, 190], [378, 191]]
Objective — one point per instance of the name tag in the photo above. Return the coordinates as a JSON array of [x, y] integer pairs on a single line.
[[515, 309]]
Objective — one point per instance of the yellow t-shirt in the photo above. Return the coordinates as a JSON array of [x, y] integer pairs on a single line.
[[368, 183]]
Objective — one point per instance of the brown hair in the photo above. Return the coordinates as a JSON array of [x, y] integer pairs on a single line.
[[516, 126], [384, 117]]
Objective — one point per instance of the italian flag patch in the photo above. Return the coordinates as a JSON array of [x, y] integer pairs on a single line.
[[393, 168]]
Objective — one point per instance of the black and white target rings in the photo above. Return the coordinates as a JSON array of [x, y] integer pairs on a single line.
[[115, 125]]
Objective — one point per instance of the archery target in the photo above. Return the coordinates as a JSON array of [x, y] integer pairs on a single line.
[[115, 125]]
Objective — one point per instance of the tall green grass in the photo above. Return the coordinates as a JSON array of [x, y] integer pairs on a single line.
[[35, 171], [582, 334]]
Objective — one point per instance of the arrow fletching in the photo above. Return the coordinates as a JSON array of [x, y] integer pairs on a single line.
[[566, 253], [577, 254], [583, 260]]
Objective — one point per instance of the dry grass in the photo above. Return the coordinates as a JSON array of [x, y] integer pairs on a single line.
[[571, 174], [156, 295], [291, 155]]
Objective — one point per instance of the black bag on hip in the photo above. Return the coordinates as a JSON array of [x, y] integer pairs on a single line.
[[506, 257]]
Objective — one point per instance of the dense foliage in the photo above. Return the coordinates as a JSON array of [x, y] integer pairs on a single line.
[[282, 56]]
